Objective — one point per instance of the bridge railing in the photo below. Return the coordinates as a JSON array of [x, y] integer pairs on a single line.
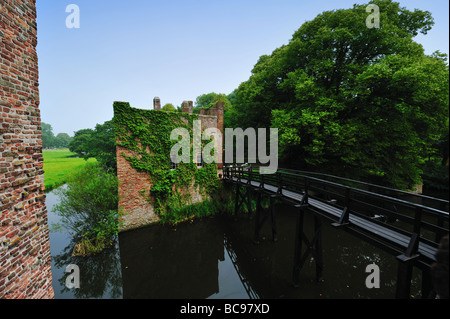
[[396, 214], [425, 200], [399, 215]]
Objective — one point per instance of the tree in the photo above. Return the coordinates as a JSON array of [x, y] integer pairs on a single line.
[[102, 145], [62, 140], [88, 207], [48, 138], [80, 142], [207, 100], [367, 103], [232, 97], [99, 143], [169, 108]]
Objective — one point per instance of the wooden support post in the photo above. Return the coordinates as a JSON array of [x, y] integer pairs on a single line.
[[318, 248], [257, 217], [236, 200], [405, 267], [406, 260], [404, 276], [272, 218], [279, 184], [259, 222], [298, 247], [313, 247], [344, 218], [427, 285], [249, 202], [240, 200]]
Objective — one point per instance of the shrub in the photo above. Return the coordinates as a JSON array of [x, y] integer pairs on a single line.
[[88, 207]]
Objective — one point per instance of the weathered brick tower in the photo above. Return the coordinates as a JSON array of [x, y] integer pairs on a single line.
[[25, 269], [135, 184]]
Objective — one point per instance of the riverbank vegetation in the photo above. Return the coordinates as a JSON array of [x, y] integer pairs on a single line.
[[88, 208], [88, 202]]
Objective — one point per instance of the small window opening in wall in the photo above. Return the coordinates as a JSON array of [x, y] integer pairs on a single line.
[[173, 164], [199, 160]]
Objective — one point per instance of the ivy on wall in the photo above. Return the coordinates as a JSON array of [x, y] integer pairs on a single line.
[[146, 133]]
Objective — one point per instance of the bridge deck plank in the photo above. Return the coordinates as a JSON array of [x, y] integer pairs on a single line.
[[364, 224]]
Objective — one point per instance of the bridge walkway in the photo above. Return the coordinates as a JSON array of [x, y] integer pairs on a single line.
[[406, 229]]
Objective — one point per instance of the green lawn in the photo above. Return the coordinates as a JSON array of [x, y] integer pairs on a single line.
[[58, 164]]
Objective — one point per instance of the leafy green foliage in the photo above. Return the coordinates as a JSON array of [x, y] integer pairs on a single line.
[[99, 143], [367, 103], [207, 100], [88, 206], [49, 140], [80, 142], [102, 145], [146, 133], [169, 108], [435, 176], [435, 169]]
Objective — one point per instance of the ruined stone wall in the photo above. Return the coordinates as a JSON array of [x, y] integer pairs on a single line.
[[136, 209], [25, 269], [217, 112]]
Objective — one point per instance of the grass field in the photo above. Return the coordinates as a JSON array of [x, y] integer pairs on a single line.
[[58, 164]]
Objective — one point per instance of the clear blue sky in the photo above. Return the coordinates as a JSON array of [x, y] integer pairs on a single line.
[[134, 50]]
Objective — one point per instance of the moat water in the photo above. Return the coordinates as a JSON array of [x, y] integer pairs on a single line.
[[216, 258]]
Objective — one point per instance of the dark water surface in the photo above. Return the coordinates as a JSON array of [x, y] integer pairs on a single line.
[[100, 276], [216, 258]]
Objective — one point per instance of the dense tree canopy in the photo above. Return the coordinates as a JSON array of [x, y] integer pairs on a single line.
[[49, 140], [169, 108], [99, 143], [80, 142], [348, 99], [206, 100]]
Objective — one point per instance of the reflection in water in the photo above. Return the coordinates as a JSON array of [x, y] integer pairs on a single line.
[[177, 263], [216, 258], [100, 276], [235, 260]]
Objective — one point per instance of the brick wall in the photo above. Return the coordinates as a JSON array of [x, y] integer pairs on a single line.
[[137, 210], [216, 111], [25, 269]]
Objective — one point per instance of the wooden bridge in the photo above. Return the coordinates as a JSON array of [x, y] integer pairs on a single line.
[[409, 226]]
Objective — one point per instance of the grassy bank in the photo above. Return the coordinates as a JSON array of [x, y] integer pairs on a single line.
[[58, 164]]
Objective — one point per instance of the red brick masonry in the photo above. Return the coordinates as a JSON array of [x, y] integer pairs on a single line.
[[137, 211], [25, 269]]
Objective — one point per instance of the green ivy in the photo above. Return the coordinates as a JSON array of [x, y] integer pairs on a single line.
[[146, 133]]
